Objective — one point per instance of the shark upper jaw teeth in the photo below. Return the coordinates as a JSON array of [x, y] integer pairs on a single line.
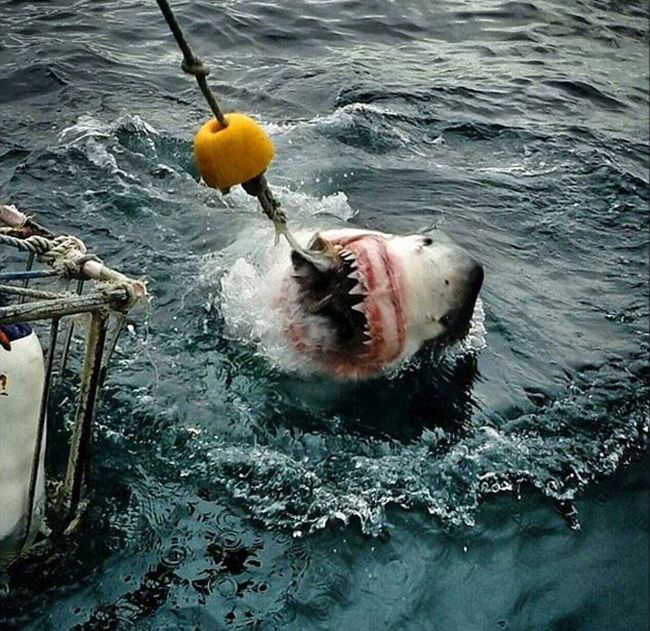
[[360, 287], [359, 292]]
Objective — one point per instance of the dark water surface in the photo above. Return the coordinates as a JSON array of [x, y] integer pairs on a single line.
[[229, 494]]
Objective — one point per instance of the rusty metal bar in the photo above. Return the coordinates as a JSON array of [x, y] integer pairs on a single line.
[[68, 335], [28, 268], [45, 397], [35, 294], [79, 456], [28, 274], [11, 216], [114, 294], [120, 323], [46, 309]]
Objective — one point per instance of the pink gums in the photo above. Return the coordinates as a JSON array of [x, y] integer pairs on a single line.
[[383, 306]]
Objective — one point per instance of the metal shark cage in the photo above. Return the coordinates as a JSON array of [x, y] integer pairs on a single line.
[[103, 293]]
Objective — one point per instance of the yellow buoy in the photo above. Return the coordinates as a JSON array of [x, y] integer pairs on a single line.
[[234, 154]]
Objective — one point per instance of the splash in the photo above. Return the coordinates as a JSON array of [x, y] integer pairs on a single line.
[[305, 481], [250, 274]]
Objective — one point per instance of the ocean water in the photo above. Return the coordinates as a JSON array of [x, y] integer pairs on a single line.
[[503, 485]]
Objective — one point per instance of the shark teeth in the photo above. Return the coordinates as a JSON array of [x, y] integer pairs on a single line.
[[357, 290], [350, 259], [358, 307], [355, 276]]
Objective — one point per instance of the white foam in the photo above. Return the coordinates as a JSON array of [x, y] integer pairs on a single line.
[[249, 272], [99, 155], [476, 338], [90, 127], [97, 139]]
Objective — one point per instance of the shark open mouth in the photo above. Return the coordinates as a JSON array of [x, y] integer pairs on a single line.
[[348, 316]]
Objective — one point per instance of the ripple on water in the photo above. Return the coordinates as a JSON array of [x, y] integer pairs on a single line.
[[229, 490]]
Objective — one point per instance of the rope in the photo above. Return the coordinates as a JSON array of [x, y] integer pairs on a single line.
[[65, 254], [130, 288], [35, 244], [191, 64], [258, 186]]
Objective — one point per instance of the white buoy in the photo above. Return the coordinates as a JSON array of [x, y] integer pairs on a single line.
[[22, 375]]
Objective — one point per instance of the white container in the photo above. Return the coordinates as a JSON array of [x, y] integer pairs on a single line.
[[21, 387]]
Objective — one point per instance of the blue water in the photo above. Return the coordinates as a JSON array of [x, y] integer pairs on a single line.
[[229, 493]]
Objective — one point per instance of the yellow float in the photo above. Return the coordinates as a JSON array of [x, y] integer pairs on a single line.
[[231, 155]]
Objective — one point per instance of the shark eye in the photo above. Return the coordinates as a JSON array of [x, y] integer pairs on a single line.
[[427, 240]]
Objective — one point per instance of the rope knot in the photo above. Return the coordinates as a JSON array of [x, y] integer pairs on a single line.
[[195, 67], [74, 264], [67, 255], [134, 291]]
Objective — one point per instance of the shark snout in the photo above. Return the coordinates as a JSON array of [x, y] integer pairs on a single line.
[[467, 283], [475, 276]]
